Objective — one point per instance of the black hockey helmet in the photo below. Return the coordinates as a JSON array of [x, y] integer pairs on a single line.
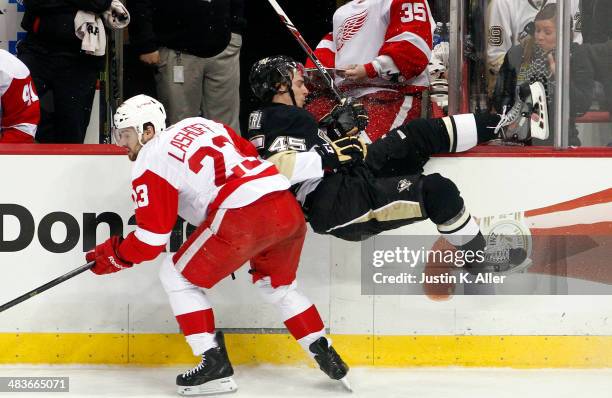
[[269, 73]]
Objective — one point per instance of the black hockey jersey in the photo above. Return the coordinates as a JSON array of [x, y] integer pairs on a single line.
[[279, 127], [349, 203], [286, 135]]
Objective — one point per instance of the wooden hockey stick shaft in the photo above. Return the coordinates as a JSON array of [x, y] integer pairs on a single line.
[[47, 286], [298, 36]]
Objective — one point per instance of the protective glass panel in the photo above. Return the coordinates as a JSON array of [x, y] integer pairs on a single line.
[[520, 52], [590, 81]]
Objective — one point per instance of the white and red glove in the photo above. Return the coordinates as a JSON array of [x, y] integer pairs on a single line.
[[107, 258]]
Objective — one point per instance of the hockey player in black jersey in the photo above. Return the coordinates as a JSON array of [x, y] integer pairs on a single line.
[[353, 191]]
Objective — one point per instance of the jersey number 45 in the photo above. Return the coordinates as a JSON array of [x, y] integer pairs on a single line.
[[283, 143]]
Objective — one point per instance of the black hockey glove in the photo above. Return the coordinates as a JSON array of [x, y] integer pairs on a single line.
[[344, 151], [345, 119]]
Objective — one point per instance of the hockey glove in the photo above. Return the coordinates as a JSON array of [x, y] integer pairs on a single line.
[[344, 151], [345, 119], [106, 257]]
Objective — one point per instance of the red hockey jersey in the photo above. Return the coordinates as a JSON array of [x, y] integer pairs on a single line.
[[392, 38], [190, 169], [19, 105]]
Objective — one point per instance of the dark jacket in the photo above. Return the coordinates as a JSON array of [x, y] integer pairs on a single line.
[[596, 16], [600, 57], [198, 27], [50, 23]]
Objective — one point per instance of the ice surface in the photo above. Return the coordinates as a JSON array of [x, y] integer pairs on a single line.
[[293, 382]]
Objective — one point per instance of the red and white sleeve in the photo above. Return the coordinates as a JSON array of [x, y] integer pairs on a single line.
[[325, 52], [156, 202], [408, 41], [20, 110], [244, 146]]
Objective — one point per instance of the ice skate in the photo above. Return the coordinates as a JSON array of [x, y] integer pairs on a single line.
[[211, 376], [330, 362], [504, 261], [528, 118], [508, 243]]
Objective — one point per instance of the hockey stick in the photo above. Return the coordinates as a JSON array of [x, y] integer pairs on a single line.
[[326, 76], [47, 286]]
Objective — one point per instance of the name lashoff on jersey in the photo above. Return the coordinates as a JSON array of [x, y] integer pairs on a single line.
[[462, 277]]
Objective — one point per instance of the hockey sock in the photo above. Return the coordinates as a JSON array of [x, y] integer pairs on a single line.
[[467, 239], [485, 124], [191, 307], [463, 132], [463, 232], [306, 327], [298, 313]]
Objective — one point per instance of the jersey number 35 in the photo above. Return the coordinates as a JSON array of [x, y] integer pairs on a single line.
[[413, 12]]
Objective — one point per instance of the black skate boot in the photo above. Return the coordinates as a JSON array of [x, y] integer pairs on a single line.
[[502, 254], [211, 376], [527, 119], [329, 361], [506, 261]]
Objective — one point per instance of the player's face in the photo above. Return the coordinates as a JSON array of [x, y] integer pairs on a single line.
[[300, 91], [546, 34], [128, 138]]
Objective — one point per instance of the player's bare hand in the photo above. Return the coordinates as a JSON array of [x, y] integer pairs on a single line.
[[355, 72], [150, 58]]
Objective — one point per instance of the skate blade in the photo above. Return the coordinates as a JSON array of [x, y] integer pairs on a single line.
[[346, 384], [539, 121], [219, 386]]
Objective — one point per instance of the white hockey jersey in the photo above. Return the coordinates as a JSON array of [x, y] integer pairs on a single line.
[[507, 21], [392, 38], [19, 105], [190, 169]]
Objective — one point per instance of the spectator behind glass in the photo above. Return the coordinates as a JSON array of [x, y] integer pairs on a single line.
[[533, 60], [64, 73], [596, 20], [597, 28], [19, 105], [510, 22], [195, 46]]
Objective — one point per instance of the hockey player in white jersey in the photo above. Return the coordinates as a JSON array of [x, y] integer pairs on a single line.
[[385, 47], [211, 177], [511, 21]]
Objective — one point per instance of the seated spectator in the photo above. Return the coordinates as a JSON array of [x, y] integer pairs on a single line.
[[510, 22], [19, 105], [533, 61], [64, 49]]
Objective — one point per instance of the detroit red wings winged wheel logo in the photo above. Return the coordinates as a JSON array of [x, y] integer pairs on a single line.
[[350, 27]]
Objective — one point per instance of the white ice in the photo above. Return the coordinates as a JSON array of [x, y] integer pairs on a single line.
[[290, 382]]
